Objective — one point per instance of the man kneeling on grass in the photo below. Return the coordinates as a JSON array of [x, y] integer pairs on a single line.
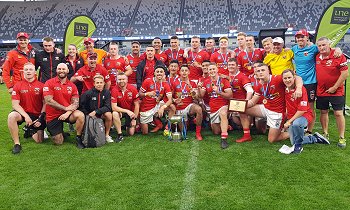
[[96, 102], [125, 103], [299, 115], [152, 91], [28, 106], [62, 99]]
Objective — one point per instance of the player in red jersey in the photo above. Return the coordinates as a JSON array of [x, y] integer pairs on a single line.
[[152, 91], [210, 47], [241, 42], [204, 100], [195, 59], [273, 107], [134, 60], [15, 59], [219, 91], [86, 73], [331, 72], [173, 72], [299, 115], [125, 103], [116, 63], [28, 106], [62, 101], [247, 57], [145, 69], [175, 52], [221, 56], [241, 90], [184, 91]]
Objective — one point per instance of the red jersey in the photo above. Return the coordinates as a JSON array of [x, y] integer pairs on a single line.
[[183, 90], [29, 95], [255, 82], [328, 70], [216, 101], [125, 99], [209, 52], [238, 50], [159, 56], [246, 59], [238, 82], [62, 94], [195, 72], [88, 76], [161, 88], [273, 93], [149, 68], [221, 60], [206, 96], [114, 66], [175, 55], [134, 62], [13, 66], [299, 104]]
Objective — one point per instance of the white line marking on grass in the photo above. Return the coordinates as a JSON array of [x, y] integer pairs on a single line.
[[188, 196]]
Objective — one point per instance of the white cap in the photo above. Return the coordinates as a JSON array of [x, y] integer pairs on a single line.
[[278, 40]]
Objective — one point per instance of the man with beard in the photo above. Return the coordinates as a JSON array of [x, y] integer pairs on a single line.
[[220, 92], [175, 52], [184, 91], [89, 45], [125, 104], [86, 73], [145, 69], [116, 63], [15, 59], [134, 60], [47, 60], [28, 106], [62, 101], [152, 91]]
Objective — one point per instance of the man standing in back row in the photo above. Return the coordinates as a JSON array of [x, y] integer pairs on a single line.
[[331, 72]]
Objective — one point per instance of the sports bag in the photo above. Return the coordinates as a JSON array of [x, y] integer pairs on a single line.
[[94, 132]]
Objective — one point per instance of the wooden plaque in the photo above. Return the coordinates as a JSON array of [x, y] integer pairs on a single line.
[[238, 105]]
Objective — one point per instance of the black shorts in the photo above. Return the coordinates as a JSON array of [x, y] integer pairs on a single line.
[[127, 120], [33, 117], [55, 126], [338, 102], [311, 91]]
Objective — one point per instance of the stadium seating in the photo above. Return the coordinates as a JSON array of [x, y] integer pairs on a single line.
[[205, 16], [55, 23], [112, 17], [23, 17], [304, 14], [156, 17]]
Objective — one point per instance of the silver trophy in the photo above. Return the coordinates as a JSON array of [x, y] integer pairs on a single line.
[[175, 136]]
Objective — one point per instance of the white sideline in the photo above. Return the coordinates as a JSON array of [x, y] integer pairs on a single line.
[[188, 196]]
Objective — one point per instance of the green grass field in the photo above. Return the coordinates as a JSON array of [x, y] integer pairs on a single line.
[[149, 172]]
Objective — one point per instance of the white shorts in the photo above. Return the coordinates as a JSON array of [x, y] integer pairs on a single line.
[[147, 117], [185, 112], [274, 119], [215, 117]]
